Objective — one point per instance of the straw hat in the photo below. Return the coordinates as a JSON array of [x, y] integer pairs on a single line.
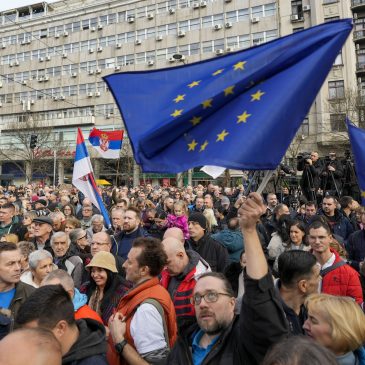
[[104, 260]]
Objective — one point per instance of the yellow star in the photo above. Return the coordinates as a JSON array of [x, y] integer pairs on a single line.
[[177, 113], [192, 145], [363, 194], [243, 117], [257, 95], [179, 98], [203, 146], [194, 83], [222, 135], [229, 90], [207, 103], [195, 120], [239, 65], [218, 72]]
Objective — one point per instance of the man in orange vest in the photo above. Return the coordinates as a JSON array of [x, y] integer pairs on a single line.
[[144, 327]]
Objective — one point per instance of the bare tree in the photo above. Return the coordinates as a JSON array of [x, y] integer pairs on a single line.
[[16, 145]]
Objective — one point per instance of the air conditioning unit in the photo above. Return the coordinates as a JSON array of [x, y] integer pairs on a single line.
[[203, 4], [108, 116], [11, 64], [3, 45], [159, 38], [172, 11], [228, 25], [64, 55], [137, 42], [306, 7], [217, 26], [100, 49], [45, 78], [91, 50], [357, 46], [294, 17], [57, 35], [32, 101], [55, 98], [62, 97], [92, 29], [172, 59], [98, 71], [196, 6], [1, 104], [255, 19], [100, 26], [40, 79], [41, 59], [229, 49], [117, 68], [181, 33], [219, 52], [97, 93], [23, 43], [118, 45], [151, 62], [150, 16], [89, 95], [91, 72], [48, 58], [74, 74], [65, 33], [16, 63], [24, 82], [227, 1], [130, 19]]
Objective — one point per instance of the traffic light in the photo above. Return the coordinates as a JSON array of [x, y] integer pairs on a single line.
[[33, 141]]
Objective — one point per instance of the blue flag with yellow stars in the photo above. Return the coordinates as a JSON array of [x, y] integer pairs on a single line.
[[357, 142], [238, 111]]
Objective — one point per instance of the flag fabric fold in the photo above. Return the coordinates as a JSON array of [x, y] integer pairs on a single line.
[[357, 142], [107, 143], [238, 111], [83, 176]]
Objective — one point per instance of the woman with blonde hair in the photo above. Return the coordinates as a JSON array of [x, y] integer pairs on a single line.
[[337, 323], [211, 220]]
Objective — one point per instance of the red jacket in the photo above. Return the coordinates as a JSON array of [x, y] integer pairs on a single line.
[[86, 312], [343, 281]]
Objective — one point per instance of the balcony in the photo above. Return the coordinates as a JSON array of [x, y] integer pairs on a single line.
[[357, 4], [359, 35]]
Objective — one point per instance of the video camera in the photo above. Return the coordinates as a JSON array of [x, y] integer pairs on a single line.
[[304, 156]]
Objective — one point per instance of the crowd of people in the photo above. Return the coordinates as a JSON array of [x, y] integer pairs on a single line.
[[193, 275]]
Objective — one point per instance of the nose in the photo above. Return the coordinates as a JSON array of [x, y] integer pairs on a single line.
[[306, 325]]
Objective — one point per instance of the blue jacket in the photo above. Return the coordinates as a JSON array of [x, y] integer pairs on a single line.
[[341, 225], [233, 241], [122, 242]]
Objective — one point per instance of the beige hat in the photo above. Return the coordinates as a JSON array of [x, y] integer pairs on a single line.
[[105, 260]]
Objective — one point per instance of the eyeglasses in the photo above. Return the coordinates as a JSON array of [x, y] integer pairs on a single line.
[[210, 297], [99, 243], [82, 238]]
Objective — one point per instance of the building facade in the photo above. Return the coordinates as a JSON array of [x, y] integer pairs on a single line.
[[53, 57]]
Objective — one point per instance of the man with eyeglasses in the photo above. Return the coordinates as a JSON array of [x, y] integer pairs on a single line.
[[220, 337]]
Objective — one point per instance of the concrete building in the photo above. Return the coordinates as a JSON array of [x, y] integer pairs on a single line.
[[53, 57]]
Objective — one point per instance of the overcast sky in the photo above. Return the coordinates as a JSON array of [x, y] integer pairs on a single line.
[[6, 5]]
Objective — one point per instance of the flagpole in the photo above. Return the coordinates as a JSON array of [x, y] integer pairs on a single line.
[[265, 180]]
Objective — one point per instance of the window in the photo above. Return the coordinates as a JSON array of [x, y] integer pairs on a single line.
[[336, 89], [337, 122], [269, 9], [304, 128], [338, 60], [242, 14], [257, 11], [297, 8]]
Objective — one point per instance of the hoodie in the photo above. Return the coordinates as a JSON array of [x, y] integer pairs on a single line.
[[90, 347]]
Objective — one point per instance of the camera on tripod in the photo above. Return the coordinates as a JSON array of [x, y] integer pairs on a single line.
[[304, 157]]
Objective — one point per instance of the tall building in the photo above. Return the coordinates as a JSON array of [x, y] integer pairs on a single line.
[[53, 57]]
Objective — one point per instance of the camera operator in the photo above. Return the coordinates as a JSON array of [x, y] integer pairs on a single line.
[[332, 175], [312, 167], [349, 186]]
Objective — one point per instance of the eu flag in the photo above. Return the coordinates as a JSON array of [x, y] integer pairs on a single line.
[[357, 141], [238, 111]]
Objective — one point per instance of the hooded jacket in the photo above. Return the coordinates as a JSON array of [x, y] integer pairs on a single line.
[[232, 241], [82, 310], [90, 347]]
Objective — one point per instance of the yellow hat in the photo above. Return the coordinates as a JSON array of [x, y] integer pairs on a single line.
[[105, 260]]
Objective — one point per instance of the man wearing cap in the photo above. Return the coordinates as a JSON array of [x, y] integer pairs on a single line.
[[43, 226], [7, 221], [200, 241]]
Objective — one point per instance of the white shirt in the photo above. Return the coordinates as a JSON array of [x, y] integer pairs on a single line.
[[329, 262], [147, 329]]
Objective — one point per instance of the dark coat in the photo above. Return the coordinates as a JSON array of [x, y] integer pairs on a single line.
[[211, 251], [246, 340], [356, 249], [22, 292]]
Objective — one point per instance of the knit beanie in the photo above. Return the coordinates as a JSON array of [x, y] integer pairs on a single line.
[[198, 218]]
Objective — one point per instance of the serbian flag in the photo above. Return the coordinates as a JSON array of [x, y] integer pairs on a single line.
[[108, 144], [83, 176]]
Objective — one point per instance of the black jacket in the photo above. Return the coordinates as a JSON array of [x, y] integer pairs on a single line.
[[311, 177], [331, 181], [262, 323], [211, 251], [90, 347]]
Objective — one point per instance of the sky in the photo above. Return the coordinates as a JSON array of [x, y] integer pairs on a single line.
[[6, 4]]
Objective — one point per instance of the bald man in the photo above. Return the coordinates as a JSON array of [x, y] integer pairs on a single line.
[[174, 232], [39, 346], [179, 278]]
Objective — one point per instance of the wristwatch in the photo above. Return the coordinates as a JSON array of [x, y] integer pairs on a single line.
[[119, 347]]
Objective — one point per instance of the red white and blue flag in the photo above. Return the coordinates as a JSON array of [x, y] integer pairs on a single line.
[[108, 144], [83, 176]]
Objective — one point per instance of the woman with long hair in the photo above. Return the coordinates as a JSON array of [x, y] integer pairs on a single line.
[[106, 287]]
